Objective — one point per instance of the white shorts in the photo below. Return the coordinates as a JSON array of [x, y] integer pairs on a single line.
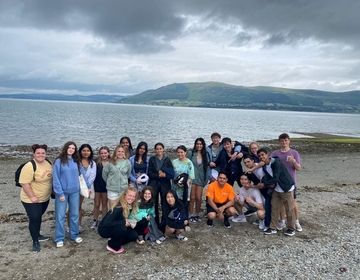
[[113, 195]]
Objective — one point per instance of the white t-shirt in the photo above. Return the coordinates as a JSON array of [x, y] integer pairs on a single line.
[[251, 192]]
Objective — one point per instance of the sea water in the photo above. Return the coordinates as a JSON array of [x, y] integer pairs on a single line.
[[24, 122]]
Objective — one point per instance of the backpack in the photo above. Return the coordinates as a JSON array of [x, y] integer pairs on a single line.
[[18, 170]]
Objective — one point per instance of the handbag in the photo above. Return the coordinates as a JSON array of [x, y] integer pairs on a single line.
[[84, 191]]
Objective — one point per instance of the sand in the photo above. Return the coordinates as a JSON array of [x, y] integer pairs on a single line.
[[328, 247]]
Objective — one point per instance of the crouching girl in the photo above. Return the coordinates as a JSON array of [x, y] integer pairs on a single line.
[[175, 216], [146, 215], [116, 224]]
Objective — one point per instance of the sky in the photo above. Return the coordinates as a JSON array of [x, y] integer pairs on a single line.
[[126, 47]]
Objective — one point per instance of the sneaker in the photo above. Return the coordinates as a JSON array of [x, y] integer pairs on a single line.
[[256, 222], [36, 247], [94, 225], [78, 240], [193, 220], [59, 244], [289, 232], [43, 238], [239, 219], [227, 223], [162, 238], [197, 218], [249, 213], [261, 225], [281, 225], [210, 223], [158, 242], [140, 240], [265, 228], [298, 226], [270, 231], [120, 251], [181, 237]]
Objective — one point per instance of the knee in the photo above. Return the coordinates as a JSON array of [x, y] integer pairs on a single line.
[[211, 215]]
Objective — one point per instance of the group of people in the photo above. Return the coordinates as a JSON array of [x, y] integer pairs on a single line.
[[131, 187]]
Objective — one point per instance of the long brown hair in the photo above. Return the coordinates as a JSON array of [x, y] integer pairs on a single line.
[[64, 156], [124, 205]]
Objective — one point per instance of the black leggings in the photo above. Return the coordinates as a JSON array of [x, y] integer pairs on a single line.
[[34, 212], [120, 236]]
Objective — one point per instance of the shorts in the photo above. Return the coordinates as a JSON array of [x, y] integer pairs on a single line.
[[113, 195], [210, 209]]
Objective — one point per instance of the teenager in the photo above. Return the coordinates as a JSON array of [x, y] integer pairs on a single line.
[[125, 142], [291, 159], [116, 175], [161, 172], [67, 193], [229, 161], [100, 201], [35, 192], [250, 198], [139, 166], [184, 173], [175, 216], [199, 158], [278, 178], [220, 201], [116, 225], [87, 167]]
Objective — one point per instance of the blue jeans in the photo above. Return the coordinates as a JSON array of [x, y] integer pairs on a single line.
[[72, 200]]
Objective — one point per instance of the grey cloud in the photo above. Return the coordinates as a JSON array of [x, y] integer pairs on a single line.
[[151, 25], [143, 26]]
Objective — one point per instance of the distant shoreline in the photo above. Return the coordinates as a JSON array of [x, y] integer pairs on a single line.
[[87, 99]]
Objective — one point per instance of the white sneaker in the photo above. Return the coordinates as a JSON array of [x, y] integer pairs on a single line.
[[78, 240], [59, 244], [239, 219], [281, 225], [265, 228], [298, 226], [261, 225]]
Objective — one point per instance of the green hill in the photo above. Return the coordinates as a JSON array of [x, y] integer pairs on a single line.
[[220, 95]]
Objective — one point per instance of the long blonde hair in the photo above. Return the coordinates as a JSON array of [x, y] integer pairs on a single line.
[[124, 205], [114, 157]]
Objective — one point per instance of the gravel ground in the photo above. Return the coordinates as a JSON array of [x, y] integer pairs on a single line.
[[328, 247]]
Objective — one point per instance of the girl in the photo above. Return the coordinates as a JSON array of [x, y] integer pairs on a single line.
[[35, 192], [200, 160], [175, 216], [146, 211], [116, 175], [116, 224], [139, 166], [125, 142], [100, 201], [87, 168], [182, 165], [67, 193], [160, 173]]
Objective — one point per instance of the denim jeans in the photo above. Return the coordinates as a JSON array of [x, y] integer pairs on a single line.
[[72, 200]]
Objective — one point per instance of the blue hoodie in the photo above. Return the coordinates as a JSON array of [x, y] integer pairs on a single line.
[[66, 177]]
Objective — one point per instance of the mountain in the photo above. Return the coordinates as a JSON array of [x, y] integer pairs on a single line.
[[220, 95], [64, 97]]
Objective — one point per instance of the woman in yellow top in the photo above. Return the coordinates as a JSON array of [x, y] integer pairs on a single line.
[[35, 192]]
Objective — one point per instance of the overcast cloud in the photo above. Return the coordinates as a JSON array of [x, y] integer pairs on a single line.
[[117, 46]]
